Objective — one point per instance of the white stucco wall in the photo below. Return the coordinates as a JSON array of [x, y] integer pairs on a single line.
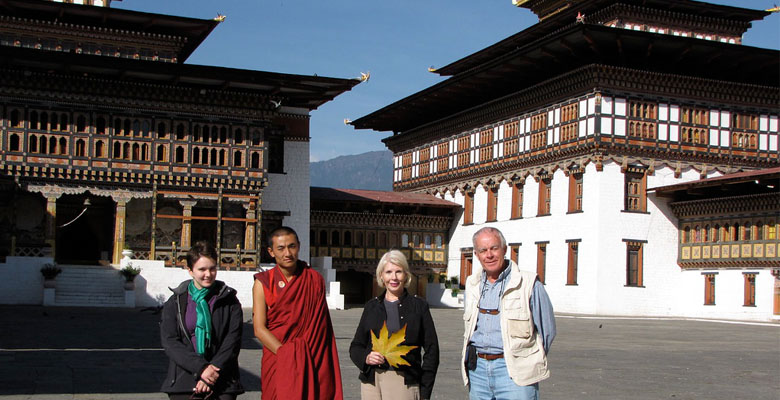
[[601, 288], [289, 192], [21, 281]]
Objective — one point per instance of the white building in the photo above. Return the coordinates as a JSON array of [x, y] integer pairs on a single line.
[[555, 134]]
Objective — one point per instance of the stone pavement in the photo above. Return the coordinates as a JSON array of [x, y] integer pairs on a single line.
[[102, 353]]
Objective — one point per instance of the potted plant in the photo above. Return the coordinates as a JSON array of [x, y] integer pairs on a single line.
[[49, 272], [129, 273]]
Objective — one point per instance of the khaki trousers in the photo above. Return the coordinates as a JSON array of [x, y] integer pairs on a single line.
[[389, 385]]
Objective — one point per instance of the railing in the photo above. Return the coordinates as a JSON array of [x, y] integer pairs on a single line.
[[694, 254], [230, 259]]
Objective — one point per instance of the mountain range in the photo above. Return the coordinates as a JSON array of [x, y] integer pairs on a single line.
[[370, 171]]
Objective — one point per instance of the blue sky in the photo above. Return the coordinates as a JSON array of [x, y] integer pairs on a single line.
[[396, 41]]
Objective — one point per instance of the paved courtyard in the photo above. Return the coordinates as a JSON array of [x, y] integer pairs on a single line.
[[94, 353]]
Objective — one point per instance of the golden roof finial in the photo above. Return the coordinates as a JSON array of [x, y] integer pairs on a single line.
[[431, 69], [220, 17], [773, 9]]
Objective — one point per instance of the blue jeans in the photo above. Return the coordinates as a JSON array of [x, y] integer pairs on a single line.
[[491, 381]]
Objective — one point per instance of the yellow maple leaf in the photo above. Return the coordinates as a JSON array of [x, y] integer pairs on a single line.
[[390, 347]]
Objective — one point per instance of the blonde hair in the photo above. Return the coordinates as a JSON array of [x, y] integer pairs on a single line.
[[397, 258]]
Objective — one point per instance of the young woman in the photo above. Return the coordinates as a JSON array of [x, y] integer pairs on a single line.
[[201, 332], [398, 309]]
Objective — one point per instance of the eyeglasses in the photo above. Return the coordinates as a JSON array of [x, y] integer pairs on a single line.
[[485, 250]]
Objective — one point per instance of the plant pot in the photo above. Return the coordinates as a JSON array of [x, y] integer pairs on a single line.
[[126, 254], [49, 283], [129, 285]]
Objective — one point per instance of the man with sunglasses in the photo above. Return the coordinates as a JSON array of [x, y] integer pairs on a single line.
[[509, 324]]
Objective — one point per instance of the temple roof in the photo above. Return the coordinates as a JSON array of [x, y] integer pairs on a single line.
[[567, 16], [294, 90], [376, 196], [567, 49], [192, 30], [739, 183]]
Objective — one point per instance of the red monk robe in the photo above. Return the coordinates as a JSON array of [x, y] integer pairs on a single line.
[[307, 364]]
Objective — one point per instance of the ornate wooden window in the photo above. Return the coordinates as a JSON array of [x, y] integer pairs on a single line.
[[180, 154], [486, 145], [694, 116], [32, 147], [539, 121], [750, 289], [575, 192], [541, 260], [256, 163], [238, 158], [180, 131], [510, 138], [80, 148], [633, 262], [162, 153], [492, 203], [517, 201], [569, 132], [709, 289], [34, 123], [635, 191], [744, 121], [100, 149], [744, 140], [770, 232], [238, 136], [13, 143], [425, 165], [545, 192], [443, 163], [335, 238], [382, 242], [438, 242], [569, 112], [538, 139], [404, 240], [468, 208], [463, 151], [643, 110], [572, 261], [15, 119], [715, 234], [162, 130]]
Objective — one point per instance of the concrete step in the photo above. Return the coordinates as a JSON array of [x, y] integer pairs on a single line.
[[89, 286]]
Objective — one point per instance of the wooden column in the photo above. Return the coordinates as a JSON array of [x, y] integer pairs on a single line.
[[218, 240], [152, 243], [50, 235], [249, 226], [120, 219], [186, 224]]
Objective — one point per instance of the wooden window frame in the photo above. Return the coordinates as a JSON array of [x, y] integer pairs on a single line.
[[466, 264], [514, 252], [517, 201], [634, 262], [545, 194], [541, 260], [492, 203], [709, 288], [750, 289], [635, 202], [572, 261], [468, 208], [575, 192]]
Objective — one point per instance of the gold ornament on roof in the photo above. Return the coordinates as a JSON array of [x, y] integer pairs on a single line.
[[220, 17]]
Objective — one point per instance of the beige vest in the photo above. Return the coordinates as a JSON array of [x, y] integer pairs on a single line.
[[525, 358]]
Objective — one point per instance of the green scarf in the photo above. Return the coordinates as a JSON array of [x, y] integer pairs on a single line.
[[203, 324]]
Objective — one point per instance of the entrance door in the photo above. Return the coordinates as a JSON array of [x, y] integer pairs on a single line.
[[85, 229]]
